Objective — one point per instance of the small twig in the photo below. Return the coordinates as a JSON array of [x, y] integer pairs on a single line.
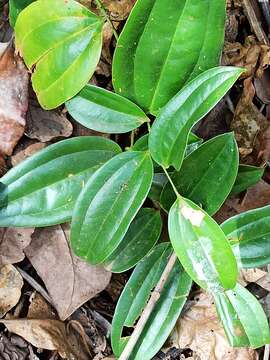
[[35, 285], [252, 18], [148, 309], [103, 11], [266, 352]]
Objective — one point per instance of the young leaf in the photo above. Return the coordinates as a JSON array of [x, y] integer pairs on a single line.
[[102, 110], [170, 131], [135, 296], [155, 70], [243, 318], [108, 204], [42, 190], [201, 246], [15, 7], [206, 175], [249, 235], [247, 176], [141, 236], [63, 40]]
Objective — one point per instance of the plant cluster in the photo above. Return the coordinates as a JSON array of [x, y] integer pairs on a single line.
[[165, 68]]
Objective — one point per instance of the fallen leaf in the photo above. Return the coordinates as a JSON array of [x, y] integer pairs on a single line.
[[69, 280], [262, 86], [49, 335], [120, 9], [39, 308], [200, 330], [251, 128], [26, 152], [11, 284], [255, 275], [13, 99], [12, 243], [46, 125]]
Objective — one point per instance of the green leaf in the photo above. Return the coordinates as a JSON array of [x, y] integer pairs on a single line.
[[170, 131], [15, 7], [42, 190], [207, 175], [141, 236], [135, 296], [102, 110], [243, 318], [201, 246], [247, 176], [62, 40], [108, 204], [159, 180], [192, 35], [249, 235]]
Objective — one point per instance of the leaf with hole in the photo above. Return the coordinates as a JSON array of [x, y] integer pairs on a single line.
[[192, 34], [101, 110], [247, 176], [207, 175], [108, 204], [169, 133], [243, 318], [135, 296], [141, 236], [62, 41], [201, 246], [42, 190], [249, 235]]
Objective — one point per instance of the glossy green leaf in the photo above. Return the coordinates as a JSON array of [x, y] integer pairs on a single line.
[[141, 236], [201, 246], [170, 131], [207, 175], [15, 7], [243, 318], [249, 235], [102, 110], [192, 35], [135, 296], [108, 204], [62, 40], [247, 176], [42, 190]]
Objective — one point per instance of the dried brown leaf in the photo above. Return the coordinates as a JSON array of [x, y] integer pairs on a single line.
[[11, 284], [12, 243], [13, 99], [200, 330], [69, 280], [39, 308], [26, 152]]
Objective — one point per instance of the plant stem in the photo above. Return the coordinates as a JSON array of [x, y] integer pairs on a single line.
[[132, 135], [171, 182], [148, 309], [103, 11], [148, 126]]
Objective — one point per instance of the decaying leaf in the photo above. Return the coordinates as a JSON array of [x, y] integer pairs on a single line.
[[39, 308], [120, 9], [12, 243], [11, 284], [46, 125], [252, 130], [253, 56], [13, 99], [26, 152], [69, 280], [50, 335], [255, 275], [200, 330]]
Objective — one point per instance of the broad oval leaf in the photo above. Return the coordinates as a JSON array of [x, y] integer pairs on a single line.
[[192, 35], [63, 40], [141, 236], [201, 246], [15, 7], [249, 235], [102, 110], [42, 190], [243, 318], [207, 175], [109, 202], [135, 296], [247, 176], [169, 133]]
